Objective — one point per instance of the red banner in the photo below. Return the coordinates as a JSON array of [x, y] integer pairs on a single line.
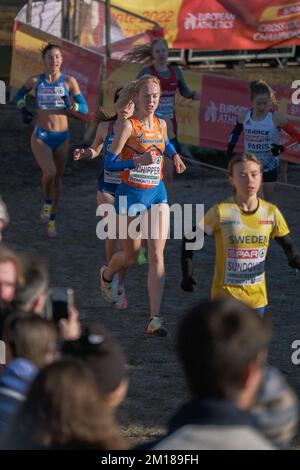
[[223, 98], [236, 24]]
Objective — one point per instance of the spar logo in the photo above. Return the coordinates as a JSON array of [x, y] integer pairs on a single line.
[[246, 253], [2, 92]]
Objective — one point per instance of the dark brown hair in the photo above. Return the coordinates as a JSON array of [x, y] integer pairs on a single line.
[[217, 341], [101, 116], [65, 410], [260, 87], [49, 47]]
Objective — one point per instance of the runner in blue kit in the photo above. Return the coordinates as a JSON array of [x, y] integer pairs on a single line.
[[262, 125], [108, 181], [50, 138]]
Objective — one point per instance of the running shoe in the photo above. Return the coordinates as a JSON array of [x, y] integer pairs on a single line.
[[106, 288], [142, 258], [155, 327], [46, 212], [51, 229], [121, 303]]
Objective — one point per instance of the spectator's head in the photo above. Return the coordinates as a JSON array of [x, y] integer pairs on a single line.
[[4, 218], [102, 352], [11, 275], [30, 337], [223, 347], [32, 295], [65, 410]]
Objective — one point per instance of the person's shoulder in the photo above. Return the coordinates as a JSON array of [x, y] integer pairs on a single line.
[[242, 115]]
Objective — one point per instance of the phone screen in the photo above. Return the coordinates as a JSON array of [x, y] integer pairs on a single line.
[[61, 300]]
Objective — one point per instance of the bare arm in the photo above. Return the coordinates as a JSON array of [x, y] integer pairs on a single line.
[[94, 150]]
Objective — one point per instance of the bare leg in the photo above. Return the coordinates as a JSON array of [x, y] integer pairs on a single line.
[[127, 256], [60, 160], [110, 244], [159, 224], [44, 158]]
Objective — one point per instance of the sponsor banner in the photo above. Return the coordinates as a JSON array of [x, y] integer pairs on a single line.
[[223, 98], [83, 64], [245, 266], [216, 24]]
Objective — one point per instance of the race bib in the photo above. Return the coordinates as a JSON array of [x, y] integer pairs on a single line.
[[51, 98], [112, 177], [165, 108], [245, 266], [148, 175]]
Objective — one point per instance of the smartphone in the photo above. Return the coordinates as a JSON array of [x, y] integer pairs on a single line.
[[60, 302]]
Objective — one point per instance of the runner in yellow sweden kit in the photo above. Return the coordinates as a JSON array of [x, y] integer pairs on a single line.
[[243, 226]]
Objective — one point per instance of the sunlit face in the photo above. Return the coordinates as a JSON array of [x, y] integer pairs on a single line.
[[160, 53], [246, 178], [126, 111], [53, 60], [148, 96], [8, 280], [261, 103]]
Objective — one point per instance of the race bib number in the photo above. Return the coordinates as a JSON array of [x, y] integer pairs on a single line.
[[146, 175], [112, 177], [245, 266], [165, 108], [51, 98]]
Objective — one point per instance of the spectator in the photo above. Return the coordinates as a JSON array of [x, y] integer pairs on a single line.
[[102, 352], [30, 344], [11, 277], [32, 295], [4, 218], [64, 410], [276, 409], [223, 347]]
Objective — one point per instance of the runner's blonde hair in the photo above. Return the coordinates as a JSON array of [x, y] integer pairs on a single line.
[[143, 53], [130, 91]]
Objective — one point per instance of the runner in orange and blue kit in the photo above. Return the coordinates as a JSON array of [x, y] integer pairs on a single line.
[[141, 143]]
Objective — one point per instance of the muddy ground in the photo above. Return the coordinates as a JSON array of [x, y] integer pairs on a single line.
[[156, 381]]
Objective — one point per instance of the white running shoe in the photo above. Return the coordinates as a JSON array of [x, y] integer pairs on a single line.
[[106, 288]]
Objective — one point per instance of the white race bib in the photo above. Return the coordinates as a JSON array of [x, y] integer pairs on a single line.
[[245, 266]]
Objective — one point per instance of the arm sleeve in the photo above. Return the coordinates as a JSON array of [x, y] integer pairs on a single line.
[[111, 163], [234, 137], [81, 105], [170, 150], [182, 86], [186, 258], [20, 95]]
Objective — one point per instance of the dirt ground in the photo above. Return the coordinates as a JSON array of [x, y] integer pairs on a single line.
[[156, 380]]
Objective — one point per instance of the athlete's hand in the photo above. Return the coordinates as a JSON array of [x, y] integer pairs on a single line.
[[277, 149], [180, 167], [188, 283], [294, 262], [147, 158], [81, 154], [27, 116]]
